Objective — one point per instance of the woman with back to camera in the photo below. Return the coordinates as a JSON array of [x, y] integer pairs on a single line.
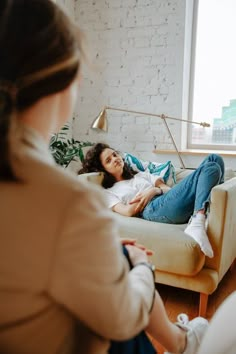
[[145, 195], [65, 286]]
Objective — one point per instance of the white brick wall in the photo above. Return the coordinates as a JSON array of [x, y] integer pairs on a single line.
[[68, 5], [136, 48]]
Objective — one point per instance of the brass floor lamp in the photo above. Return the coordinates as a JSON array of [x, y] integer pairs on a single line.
[[101, 123]]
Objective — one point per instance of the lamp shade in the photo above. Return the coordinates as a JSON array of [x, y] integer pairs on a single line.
[[100, 123]]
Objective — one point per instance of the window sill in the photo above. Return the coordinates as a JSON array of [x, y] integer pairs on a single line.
[[197, 152]]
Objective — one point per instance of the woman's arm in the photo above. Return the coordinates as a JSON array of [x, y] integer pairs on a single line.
[[89, 275], [138, 203], [142, 198], [161, 184], [126, 210]]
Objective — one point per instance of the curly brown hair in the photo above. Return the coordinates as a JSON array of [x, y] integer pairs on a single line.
[[92, 163]]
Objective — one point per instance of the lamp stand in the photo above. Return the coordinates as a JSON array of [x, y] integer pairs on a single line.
[[101, 123]]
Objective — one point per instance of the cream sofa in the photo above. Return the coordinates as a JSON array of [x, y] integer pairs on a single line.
[[178, 259]]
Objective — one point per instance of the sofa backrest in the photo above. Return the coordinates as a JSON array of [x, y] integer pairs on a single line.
[[96, 177]]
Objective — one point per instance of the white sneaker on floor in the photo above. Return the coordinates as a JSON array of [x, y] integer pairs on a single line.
[[195, 330], [197, 230]]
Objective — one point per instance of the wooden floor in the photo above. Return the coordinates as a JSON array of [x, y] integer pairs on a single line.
[[178, 300]]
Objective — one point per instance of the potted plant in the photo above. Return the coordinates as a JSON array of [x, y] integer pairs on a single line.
[[65, 150]]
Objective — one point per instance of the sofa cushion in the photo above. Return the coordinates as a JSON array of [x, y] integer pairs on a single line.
[[182, 173], [175, 252]]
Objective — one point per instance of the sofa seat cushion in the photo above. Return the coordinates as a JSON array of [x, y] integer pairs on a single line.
[[175, 252]]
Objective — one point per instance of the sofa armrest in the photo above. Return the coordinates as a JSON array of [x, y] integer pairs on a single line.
[[222, 226], [94, 177]]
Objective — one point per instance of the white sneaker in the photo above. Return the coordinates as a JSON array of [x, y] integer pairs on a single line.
[[197, 230], [195, 330]]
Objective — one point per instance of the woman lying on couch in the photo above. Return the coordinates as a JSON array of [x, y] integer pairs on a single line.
[[145, 195]]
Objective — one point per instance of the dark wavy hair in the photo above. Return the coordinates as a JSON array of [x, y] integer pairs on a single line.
[[40, 54], [92, 163]]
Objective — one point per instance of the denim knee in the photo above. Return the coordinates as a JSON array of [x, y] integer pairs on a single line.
[[214, 169], [219, 160]]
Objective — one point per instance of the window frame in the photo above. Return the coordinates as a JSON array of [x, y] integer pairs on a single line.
[[191, 25]]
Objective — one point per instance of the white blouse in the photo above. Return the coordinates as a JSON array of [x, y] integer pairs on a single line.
[[124, 191]]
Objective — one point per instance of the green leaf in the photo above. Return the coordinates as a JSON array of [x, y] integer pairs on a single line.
[[64, 150]]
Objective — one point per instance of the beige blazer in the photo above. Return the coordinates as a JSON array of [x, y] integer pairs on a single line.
[[64, 283]]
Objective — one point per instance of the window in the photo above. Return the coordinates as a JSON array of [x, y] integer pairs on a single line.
[[213, 75]]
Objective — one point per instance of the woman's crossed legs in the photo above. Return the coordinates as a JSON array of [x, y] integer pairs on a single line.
[[190, 197]]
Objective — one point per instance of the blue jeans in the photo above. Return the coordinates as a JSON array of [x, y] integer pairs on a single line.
[[188, 196]]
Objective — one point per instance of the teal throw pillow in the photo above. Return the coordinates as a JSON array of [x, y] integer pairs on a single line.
[[165, 170]]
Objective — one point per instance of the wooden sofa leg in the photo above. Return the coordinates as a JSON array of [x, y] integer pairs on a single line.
[[203, 305]]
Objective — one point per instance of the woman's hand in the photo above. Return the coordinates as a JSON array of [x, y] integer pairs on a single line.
[[142, 199], [132, 242], [165, 188], [125, 209], [160, 184], [127, 241], [136, 255]]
